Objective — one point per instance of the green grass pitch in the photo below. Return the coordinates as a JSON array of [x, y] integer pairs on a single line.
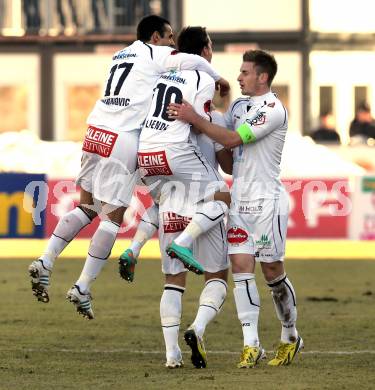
[[49, 346]]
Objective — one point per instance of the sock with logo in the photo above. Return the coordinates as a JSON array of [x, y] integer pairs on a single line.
[[248, 305]]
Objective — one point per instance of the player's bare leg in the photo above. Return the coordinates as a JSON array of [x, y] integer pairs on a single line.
[[170, 315], [248, 305], [99, 250], [65, 231], [284, 299], [210, 303]]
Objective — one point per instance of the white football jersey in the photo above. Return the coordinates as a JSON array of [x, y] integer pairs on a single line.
[[256, 168], [128, 91], [209, 147], [194, 86]]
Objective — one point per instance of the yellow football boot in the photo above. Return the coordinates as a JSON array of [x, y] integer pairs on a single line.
[[250, 356], [286, 352]]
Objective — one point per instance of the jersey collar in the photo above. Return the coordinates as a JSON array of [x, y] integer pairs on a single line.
[[261, 98]]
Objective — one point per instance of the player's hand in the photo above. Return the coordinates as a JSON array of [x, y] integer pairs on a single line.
[[184, 111], [223, 86]]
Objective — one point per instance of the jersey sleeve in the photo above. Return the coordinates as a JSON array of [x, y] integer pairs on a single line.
[[218, 119], [227, 118], [264, 121], [184, 61]]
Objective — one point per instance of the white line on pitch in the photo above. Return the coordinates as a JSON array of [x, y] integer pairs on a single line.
[[121, 350]]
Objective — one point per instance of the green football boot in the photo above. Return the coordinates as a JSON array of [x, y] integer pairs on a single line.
[[127, 263], [185, 255]]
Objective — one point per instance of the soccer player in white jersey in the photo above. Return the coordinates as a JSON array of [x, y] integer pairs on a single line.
[[211, 247], [109, 161], [258, 215], [170, 160]]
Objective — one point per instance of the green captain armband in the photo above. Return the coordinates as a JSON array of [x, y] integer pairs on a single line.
[[246, 134]]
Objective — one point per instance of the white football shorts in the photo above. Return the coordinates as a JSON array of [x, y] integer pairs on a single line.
[[179, 169], [109, 165], [259, 228], [210, 249]]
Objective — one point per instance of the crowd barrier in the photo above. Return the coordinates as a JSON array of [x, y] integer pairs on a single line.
[[31, 205]]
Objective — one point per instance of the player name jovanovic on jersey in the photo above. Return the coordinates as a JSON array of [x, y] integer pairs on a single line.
[[128, 90], [194, 86], [256, 169]]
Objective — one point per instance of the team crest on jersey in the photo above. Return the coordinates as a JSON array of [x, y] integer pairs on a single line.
[[153, 164], [174, 223], [237, 236], [258, 120], [99, 141]]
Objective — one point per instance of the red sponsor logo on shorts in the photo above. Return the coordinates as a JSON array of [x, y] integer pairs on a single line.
[[99, 141], [237, 236], [174, 223], [154, 163]]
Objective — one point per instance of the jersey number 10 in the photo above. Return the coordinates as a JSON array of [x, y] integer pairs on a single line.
[[163, 98]]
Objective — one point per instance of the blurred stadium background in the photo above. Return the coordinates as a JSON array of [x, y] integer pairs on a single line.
[[54, 56]]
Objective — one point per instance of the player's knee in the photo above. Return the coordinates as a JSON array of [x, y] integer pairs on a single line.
[[91, 213], [114, 213], [214, 294], [273, 271], [222, 274]]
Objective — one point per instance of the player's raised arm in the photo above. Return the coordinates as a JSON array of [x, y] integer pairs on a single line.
[[184, 61], [185, 112]]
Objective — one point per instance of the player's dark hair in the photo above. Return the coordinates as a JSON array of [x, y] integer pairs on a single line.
[[264, 63], [192, 40], [148, 25]]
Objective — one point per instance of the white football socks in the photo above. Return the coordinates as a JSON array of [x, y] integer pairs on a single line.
[[147, 227], [99, 250], [65, 231], [248, 305], [170, 316], [210, 302], [284, 299], [207, 216]]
